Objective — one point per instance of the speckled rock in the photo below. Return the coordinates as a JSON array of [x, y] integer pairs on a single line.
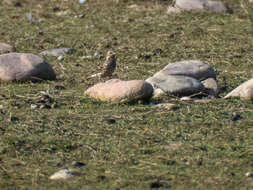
[[192, 68], [175, 84], [211, 86], [5, 48], [199, 5], [116, 90], [244, 91], [58, 51], [23, 67]]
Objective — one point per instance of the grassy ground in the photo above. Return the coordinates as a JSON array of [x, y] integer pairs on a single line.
[[197, 146]]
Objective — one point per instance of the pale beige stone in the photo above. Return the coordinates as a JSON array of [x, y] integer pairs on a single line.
[[158, 93], [116, 90], [244, 91], [198, 5], [186, 98], [62, 174], [211, 86]]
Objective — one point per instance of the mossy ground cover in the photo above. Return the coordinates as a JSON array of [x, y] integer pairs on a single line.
[[126, 146]]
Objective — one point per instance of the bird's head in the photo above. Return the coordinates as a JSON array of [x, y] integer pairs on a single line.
[[110, 55]]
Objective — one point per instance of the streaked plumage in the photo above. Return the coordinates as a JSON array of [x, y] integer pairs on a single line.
[[109, 65]]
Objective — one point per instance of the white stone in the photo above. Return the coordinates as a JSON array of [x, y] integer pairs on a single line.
[[186, 98], [198, 5], [62, 174], [249, 174], [244, 91]]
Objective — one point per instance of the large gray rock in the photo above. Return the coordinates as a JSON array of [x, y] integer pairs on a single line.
[[116, 90], [58, 51], [175, 84], [199, 5], [5, 48], [191, 68], [24, 66], [244, 91]]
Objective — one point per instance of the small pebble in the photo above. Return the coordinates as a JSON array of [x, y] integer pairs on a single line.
[[62, 174], [110, 121], [56, 9], [34, 106], [86, 57], [44, 106], [96, 54], [60, 58], [82, 1], [17, 4], [236, 116], [79, 16], [12, 119], [249, 174], [78, 164], [186, 98], [59, 87]]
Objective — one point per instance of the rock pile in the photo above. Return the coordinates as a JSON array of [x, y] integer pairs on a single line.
[[184, 78]]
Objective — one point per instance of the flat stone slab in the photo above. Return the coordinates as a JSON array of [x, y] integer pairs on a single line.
[[175, 84], [23, 67], [116, 90], [5, 48], [58, 51], [198, 5], [244, 91], [192, 68]]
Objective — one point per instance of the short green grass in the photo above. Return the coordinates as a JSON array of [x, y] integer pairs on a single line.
[[197, 146]]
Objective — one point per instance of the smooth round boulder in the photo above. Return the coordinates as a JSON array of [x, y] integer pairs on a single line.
[[116, 90], [191, 4], [5, 48], [175, 84], [198, 5], [244, 91], [23, 67], [192, 68]]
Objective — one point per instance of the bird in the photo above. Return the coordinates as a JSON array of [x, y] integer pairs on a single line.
[[108, 67]]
